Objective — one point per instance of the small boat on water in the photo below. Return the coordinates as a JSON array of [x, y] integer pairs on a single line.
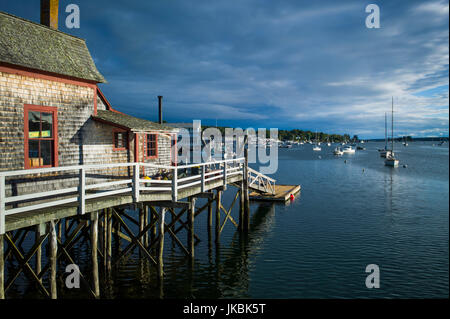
[[317, 148], [348, 150], [338, 151], [390, 159], [385, 152], [360, 148]]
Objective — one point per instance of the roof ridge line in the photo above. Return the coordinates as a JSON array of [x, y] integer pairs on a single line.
[[41, 25]]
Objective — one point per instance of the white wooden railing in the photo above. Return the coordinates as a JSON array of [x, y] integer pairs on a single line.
[[261, 182], [135, 185]]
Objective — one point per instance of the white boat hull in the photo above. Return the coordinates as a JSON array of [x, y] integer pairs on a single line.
[[391, 162]]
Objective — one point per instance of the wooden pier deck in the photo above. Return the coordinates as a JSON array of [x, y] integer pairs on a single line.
[[88, 207], [282, 193], [40, 216]]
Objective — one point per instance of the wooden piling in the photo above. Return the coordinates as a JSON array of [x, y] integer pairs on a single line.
[[153, 229], [140, 209], [104, 242], [210, 214], [109, 241], [145, 210], [246, 225], [161, 242], [40, 230], [241, 207], [2, 268], [191, 233], [53, 259], [94, 247], [218, 204]]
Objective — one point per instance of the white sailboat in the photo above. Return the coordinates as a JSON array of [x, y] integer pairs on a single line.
[[385, 152], [390, 159], [316, 147]]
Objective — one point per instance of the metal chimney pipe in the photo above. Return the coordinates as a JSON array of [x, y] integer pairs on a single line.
[[160, 109]]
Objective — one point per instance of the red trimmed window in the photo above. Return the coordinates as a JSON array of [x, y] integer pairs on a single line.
[[41, 136], [120, 140], [151, 146]]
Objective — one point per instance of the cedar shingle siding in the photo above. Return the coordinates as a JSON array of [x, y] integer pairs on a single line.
[[81, 139]]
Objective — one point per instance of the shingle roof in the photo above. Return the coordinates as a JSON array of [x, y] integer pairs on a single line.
[[130, 122], [28, 44]]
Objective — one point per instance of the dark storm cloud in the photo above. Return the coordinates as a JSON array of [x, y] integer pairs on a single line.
[[305, 64]]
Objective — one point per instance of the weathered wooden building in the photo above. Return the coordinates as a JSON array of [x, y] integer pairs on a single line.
[[52, 112], [60, 139]]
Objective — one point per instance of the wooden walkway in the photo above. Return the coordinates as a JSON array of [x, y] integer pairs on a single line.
[[91, 203], [40, 216]]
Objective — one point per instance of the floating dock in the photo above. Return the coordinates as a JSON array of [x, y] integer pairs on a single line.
[[282, 193]]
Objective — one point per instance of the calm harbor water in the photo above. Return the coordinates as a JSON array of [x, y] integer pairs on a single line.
[[352, 211]]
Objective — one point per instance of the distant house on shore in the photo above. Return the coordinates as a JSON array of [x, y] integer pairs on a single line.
[[52, 112]]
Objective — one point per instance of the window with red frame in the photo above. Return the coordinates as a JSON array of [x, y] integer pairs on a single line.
[[120, 140], [40, 129], [151, 145]]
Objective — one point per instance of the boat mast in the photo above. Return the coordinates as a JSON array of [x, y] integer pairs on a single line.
[[385, 131], [392, 129]]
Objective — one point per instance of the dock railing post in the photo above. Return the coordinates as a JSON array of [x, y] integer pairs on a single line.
[[2, 204], [136, 182], [82, 192], [175, 185], [203, 178]]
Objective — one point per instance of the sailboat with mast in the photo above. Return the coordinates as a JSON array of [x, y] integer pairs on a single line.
[[385, 152], [316, 147], [390, 158]]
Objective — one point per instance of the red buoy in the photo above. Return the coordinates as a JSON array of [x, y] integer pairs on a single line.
[[292, 197]]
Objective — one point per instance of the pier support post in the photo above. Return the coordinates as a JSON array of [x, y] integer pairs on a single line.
[[210, 215], [2, 268], [246, 225], [53, 259], [218, 204], [161, 243], [145, 211], [40, 231], [109, 241], [241, 207], [153, 229], [140, 208], [94, 244], [191, 217], [104, 237]]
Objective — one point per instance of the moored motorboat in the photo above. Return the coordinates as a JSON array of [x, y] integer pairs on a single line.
[[348, 150]]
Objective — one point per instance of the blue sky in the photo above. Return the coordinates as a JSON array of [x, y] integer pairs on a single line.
[[279, 63]]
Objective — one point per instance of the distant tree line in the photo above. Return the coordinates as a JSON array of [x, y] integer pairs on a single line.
[[300, 135]]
